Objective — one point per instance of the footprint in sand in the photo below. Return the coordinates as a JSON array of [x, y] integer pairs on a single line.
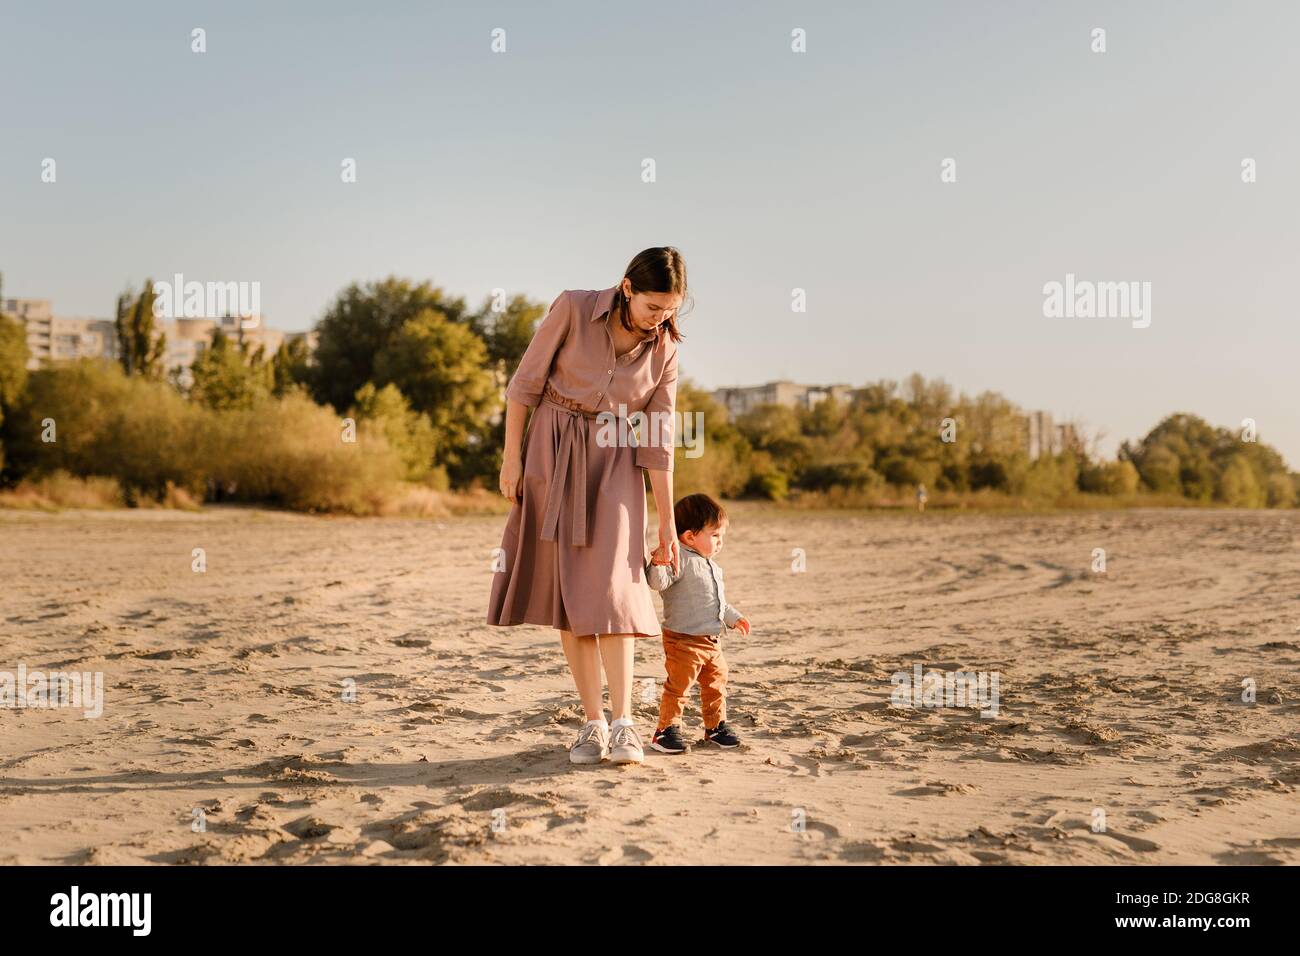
[[937, 788], [309, 828], [628, 854]]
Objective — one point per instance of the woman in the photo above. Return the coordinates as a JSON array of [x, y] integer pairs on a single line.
[[574, 543]]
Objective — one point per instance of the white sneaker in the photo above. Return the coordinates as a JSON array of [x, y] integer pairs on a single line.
[[625, 746], [592, 745]]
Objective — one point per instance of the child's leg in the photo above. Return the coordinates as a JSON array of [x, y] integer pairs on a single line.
[[682, 664], [713, 689]]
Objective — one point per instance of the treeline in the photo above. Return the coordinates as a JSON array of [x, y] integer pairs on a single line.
[[402, 393], [893, 437]]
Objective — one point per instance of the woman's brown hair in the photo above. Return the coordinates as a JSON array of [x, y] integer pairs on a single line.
[[658, 270]]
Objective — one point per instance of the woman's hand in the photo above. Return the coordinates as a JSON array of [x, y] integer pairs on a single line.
[[512, 472], [667, 552]]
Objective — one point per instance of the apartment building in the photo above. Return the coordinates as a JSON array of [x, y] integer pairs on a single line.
[[1044, 437], [58, 338], [738, 401]]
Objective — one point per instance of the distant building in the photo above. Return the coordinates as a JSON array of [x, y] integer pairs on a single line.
[[1040, 434], [37, 316], [56, 338], [188, 338], [1044, 437], [738, 401]]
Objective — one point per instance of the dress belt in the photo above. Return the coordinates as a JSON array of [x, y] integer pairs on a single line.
[[571, 462]]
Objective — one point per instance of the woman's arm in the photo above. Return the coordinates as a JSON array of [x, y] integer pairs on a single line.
[[661, 483], [655, 455], [524, 390], [512, 467]]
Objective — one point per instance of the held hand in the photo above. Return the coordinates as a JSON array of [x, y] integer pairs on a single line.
[[743, 626], [512, 471], [667, 552]]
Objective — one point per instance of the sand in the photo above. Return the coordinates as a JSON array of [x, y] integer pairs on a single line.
[[225, 736]]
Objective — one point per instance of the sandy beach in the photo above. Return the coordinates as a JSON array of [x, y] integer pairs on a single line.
[[228, 736]]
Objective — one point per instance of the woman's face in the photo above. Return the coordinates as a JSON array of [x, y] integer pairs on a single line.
[[648, 310]]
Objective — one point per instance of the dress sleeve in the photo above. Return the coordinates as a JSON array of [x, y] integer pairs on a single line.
[[530, 377], [657, 452]]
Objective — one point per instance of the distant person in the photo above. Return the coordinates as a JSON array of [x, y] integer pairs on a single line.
[[921, 497]]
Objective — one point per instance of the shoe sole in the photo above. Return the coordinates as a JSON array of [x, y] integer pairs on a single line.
[[586, 761], [709, 740], [665, 750], [630, 759]]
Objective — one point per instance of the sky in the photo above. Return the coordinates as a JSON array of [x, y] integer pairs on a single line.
[[775, 171]]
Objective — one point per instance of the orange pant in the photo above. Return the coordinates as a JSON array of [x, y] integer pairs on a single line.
[[692, 657]]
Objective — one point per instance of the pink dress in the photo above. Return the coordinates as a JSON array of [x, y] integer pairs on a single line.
[[574, 544]]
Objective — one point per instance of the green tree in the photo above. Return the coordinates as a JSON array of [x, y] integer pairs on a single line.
[[714, 456], [140, 346], [508, 332], [441, 367], [13, 360], [1185, 455], [1178, 456], [362, 322], [1238, 486], [409, 433], [1109, 478], [290, 366], [229, 374], [13, 368], [1281, 490]]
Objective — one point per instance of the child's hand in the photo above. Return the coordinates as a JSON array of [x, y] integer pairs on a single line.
[[743, 626]]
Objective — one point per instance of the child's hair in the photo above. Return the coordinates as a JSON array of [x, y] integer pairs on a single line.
[[697, 512]]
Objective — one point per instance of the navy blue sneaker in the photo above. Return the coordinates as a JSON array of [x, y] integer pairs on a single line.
[[721, 735], [669, 740]]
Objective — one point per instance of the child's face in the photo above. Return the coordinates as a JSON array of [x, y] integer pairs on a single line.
[[708, 540]]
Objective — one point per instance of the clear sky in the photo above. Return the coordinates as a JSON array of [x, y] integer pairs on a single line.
[[775, 171]]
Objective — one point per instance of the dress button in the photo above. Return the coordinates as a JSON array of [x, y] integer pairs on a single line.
[[609, 371]]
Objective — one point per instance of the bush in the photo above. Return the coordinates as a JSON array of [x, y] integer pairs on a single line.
[[103, 423], [1238, 486], [410, 433], [158, 446], [849, 475], [1281, 491], [1110, 478], [61, 490], [291, 452]]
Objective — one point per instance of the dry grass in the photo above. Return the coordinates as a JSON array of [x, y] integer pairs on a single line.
[[61, 490]]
